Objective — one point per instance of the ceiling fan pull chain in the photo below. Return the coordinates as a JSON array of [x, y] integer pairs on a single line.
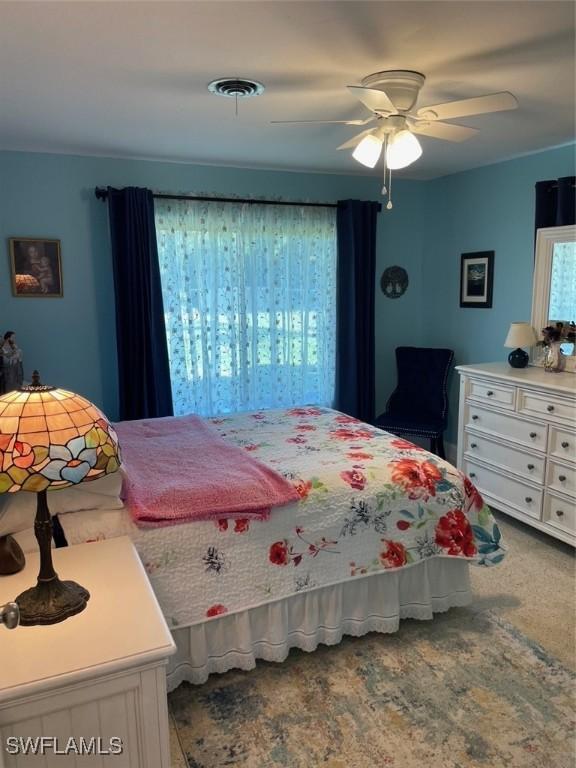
[[384, 147], [389, 205]]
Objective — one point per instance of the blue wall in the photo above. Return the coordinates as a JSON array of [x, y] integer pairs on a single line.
[[399, 322], [72, 340], [487, 209]]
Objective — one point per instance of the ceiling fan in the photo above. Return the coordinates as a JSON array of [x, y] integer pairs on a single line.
[[391, 97]]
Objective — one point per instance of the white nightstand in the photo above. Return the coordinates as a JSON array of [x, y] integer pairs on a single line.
[[98, 674]]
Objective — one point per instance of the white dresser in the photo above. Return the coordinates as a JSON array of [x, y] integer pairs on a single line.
[[99, 676], [517, 442]]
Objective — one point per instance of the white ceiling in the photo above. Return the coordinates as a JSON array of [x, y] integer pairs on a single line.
[[129, 78]]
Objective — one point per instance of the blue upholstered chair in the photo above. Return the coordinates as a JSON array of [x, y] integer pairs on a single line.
[[419, 404]]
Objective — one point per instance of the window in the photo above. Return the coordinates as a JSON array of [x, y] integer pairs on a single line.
[[250, 300]]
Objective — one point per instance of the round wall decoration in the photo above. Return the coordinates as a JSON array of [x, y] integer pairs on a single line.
[[394, 282]]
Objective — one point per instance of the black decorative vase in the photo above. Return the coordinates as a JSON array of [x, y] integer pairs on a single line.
[[518, 358]]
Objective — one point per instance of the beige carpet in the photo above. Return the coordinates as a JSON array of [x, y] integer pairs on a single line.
[[525, 718], [534, 588]]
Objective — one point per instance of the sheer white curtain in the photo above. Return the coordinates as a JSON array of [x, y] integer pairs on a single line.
[[249, 299]]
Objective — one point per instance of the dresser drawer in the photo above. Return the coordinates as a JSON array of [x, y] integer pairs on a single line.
[[530, 434], [561, 478], [529, 465], [523, 497], [495, 394], [546, 406], [562, 443], [560, 513]]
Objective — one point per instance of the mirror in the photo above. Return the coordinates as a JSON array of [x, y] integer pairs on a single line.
[[554, 292], [562, 299]]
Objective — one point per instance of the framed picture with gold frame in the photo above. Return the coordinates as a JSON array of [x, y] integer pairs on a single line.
[[35, 267]]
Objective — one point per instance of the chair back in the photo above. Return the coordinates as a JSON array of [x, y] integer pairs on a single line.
[[422, 383]]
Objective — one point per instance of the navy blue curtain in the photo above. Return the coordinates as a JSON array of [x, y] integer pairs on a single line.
[[555, 202], [355, 298], [143, 368]]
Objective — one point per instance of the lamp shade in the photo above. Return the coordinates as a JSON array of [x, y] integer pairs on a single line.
[[520, 335], [368, 150], [51, 439], [403, 149]]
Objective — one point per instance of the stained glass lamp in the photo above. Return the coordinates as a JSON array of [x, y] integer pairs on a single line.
[[51, 439]]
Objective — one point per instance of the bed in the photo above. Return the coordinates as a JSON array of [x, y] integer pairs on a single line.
[[382, 531]]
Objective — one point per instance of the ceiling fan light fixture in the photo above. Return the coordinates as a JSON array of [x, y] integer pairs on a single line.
[[368, 150], [403, 149]]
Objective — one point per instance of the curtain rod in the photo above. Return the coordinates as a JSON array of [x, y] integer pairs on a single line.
[[102, 194]]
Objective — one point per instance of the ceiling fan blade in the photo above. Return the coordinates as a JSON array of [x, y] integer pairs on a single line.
[[351, 143], [493, 102], [323, 122], [375, 100], [445, 131]]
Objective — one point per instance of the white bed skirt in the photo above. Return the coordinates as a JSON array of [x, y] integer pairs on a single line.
[[373, 603]]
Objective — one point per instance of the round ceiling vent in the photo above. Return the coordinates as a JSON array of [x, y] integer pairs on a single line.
[[235, 87]]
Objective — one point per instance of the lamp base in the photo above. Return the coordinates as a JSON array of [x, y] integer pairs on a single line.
[[50, 602], [518, 358]]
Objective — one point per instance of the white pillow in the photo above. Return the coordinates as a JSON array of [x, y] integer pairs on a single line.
[[17, 510]]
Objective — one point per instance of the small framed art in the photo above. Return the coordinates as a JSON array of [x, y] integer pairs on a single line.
[[35, 267], [476, 278]]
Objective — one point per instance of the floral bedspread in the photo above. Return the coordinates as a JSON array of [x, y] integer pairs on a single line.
[[368, 502]]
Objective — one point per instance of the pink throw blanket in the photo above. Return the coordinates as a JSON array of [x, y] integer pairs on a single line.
[[178, 469]]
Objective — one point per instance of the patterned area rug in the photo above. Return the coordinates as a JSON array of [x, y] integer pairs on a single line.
[[462, 691]]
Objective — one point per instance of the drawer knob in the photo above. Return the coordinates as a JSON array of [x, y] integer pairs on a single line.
[[10, 615], [475, 418], [530, 466], [472, 474], [489, 393], [562, 478], [473, 445], [565, 444], [528, 499], [550, 408], [533, 434], [559, 512]]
